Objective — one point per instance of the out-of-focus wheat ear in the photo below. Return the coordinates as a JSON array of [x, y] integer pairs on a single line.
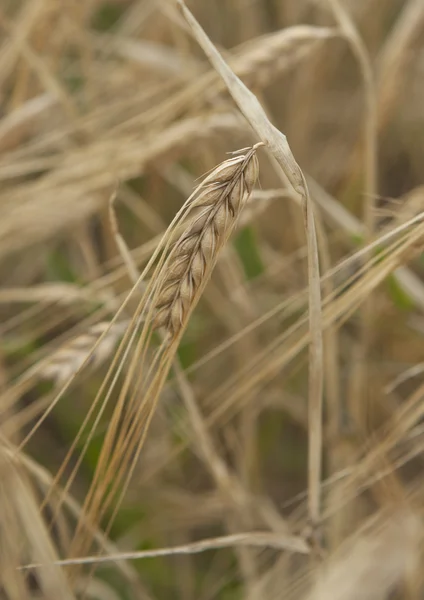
[[277, 144], [264, 58], [90, 349], [93, 347]]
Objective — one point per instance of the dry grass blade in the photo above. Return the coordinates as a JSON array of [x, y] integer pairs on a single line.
[[43, 479], [413, 371], [27, 19], [400, 47], [23, 533], [220, 202], [257, 538], [264, 366], [370, 122], [338, 216], [277, 144], [84, 179], [163, 430], [360, 404], [62, 293], [257, 62], [15, 125]]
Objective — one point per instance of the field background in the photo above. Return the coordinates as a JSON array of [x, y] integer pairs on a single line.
[[96, 95]]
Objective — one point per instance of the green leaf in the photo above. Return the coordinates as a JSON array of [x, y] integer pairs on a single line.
[[248, 250], [107, 16], [400, 299], [58, 267]]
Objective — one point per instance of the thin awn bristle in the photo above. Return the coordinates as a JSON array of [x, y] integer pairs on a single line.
[[219, 204]]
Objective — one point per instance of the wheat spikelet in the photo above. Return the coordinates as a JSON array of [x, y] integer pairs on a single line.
[[67, 360], [220, 201]]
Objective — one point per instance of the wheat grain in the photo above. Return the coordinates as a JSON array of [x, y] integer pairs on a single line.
[[220, 202]]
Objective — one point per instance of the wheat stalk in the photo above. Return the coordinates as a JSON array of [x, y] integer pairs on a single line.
[[278, 147], [221, 200]]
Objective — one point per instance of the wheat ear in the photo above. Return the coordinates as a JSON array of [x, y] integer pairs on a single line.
[[89, 349], [182, 270], [94, 346], [220, 202]]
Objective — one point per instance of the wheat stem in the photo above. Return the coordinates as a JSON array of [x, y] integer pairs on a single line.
[[359, 407], [277, 144]]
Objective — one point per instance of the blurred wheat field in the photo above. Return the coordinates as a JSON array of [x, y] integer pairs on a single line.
[[169, 425]]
